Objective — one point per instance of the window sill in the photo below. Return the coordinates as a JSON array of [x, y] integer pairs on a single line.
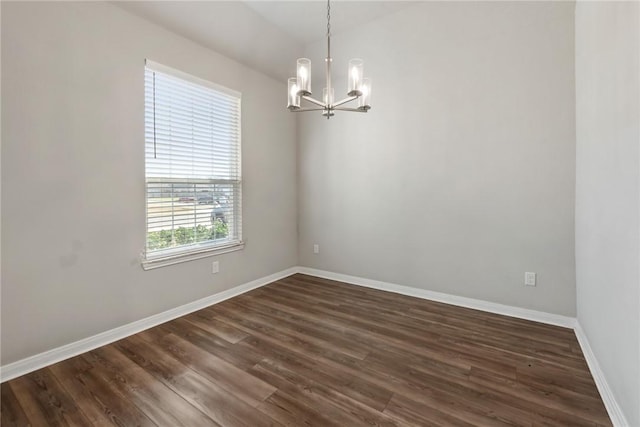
[[165, 260]]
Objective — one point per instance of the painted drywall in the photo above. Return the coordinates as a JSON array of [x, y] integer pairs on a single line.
[[461, 178], [608, 192], [73, 174]]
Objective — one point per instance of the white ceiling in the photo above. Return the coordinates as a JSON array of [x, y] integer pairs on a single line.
[[306, 20], [265, 35]]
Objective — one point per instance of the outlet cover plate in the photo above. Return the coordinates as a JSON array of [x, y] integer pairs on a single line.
[[530, 279]]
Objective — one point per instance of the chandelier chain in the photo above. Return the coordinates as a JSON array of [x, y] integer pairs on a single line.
[[328, 18], [328, 30]]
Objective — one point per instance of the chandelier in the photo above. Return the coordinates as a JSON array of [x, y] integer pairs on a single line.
[[358, 87]]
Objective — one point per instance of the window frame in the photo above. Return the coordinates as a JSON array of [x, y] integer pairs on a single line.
[[176, 255]]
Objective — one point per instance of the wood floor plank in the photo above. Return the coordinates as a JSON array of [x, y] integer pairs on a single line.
[[409, 413], [67, 372], [99, 400], [278, 336], [242, 359], [290, 411], [162, 405], [226, 332], [209, 397], [316, 352], [307, 328], [572, 403], [296, 332], [11, 412], [341, 408], [552, 376], [45, 400], [342, 380], [455, 396], [236, 381]]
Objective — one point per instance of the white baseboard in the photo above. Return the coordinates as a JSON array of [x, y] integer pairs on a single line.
[[67, 351], [615, 412], [491, 307]]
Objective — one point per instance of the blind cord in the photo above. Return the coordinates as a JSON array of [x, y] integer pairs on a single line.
[[154, 115]]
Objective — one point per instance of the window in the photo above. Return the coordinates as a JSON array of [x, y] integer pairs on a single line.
[[192, 167]]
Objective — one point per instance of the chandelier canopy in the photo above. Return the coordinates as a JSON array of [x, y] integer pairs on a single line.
[[358, 87]]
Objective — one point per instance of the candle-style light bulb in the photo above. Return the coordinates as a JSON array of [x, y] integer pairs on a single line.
[[356, 68], [364, 102], [328, 98], [293, 100], [304, 76]]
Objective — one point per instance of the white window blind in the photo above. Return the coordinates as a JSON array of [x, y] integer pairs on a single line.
[[192, 159]]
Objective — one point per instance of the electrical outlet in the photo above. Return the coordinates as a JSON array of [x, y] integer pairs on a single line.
[[316, 249], [215, 267], [530, 279]]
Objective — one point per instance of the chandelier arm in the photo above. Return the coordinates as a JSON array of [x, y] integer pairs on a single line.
[[302, 110], [344, 101], [314, 101], [356, 110]]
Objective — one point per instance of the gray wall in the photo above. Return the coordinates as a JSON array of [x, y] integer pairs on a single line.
[[461, 177], [73, 208], [608, 192]]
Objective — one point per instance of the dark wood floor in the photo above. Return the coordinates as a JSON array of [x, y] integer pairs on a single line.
[[309, 351]]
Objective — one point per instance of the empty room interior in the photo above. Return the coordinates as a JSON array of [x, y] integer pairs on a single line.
[[344, 213]]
